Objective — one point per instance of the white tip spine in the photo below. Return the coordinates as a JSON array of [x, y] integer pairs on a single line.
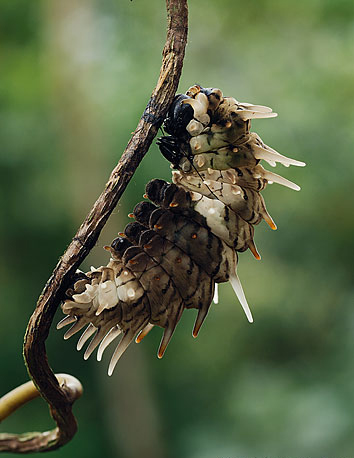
[[91, 329], [216, 294], [271, 156], [65, 321], [237, 287], [122, 346], [270, 176], [107, 340]]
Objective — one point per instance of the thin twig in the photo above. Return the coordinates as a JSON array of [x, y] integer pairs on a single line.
[[20, 396], [27, 392], [60, 400]]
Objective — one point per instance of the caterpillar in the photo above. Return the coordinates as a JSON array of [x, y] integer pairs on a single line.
[[186, 237]]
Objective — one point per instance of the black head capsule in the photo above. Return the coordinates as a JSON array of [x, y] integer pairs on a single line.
[[175, 146], [178, 117]]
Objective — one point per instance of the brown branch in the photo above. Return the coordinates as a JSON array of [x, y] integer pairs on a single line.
[[60, 400], [20, 396]]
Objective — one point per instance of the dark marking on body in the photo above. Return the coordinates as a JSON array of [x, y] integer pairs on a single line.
[[227, 214]]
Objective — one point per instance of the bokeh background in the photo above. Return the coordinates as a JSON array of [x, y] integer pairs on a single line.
[[75, 78]]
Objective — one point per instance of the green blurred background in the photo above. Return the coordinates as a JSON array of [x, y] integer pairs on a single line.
[[75, 78]]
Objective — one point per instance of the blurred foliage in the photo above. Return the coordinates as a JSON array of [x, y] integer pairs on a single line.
[[76, 76]]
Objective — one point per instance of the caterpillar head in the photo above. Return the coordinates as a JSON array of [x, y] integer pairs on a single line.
[[189, 115], [179, 115]]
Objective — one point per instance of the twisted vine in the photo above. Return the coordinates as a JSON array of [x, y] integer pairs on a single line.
[[60, 396]]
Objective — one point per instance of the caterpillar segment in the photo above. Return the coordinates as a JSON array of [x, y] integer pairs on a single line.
[[191, 280], [186, 237], [247, 203]]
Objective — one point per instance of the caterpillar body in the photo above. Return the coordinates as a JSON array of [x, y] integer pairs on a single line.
[[185, 239]]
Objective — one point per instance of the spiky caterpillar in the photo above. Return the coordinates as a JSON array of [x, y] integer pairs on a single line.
[[185, 241]]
